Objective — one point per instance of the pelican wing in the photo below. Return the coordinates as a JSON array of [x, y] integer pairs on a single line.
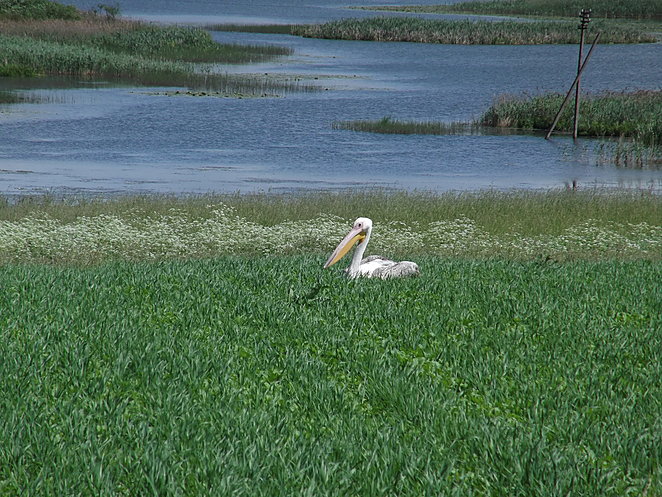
[[375, 266]]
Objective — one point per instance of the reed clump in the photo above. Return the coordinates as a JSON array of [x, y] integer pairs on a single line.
[[464, 32], [283, 29]]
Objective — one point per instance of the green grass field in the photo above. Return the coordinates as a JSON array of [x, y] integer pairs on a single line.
[[270, 376]]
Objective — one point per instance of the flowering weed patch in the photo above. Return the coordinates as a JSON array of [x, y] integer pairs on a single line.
[[175, 234]]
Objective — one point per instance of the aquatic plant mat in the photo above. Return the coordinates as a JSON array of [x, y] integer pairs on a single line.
[[267, 376]]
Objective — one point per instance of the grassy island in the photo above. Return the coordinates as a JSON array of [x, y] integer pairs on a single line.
[[90, 45], [619, 21]]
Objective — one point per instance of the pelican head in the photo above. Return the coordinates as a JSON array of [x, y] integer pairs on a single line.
[[360, 233]]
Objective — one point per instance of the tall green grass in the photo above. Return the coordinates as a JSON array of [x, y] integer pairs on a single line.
[[621, 9], [36, 9], [92, 62], [465, 32], [270, 376], [524, 226]]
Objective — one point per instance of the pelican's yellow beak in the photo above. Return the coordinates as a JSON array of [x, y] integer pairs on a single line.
[[356, 234]]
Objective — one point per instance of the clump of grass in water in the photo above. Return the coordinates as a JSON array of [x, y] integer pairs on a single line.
[[388, 125], [8, 97], [628, 154], [628, 114], [466, 32], [633, 117], [284, 29]]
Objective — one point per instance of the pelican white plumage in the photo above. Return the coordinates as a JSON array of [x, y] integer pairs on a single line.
[[373, 266]]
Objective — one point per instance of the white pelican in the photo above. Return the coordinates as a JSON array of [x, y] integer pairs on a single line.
[[373, 266]]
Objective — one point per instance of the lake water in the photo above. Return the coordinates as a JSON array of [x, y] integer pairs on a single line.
[[134, 140]]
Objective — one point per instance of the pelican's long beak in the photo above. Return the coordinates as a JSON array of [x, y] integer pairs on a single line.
[[356, 234]]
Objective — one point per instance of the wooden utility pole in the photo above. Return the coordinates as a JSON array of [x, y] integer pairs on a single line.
[[584, 19], [567, 95]]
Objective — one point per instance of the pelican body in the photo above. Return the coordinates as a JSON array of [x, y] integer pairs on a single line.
[[373, 266]]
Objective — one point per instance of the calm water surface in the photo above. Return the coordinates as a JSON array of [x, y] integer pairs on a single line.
[[112, 140]]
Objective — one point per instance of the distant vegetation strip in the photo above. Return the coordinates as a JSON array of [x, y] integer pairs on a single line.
[[388, 125], [140, 39], [282, 29], [461, 32], [465, 32], [561, 225], [30, 55], [624, 9]]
